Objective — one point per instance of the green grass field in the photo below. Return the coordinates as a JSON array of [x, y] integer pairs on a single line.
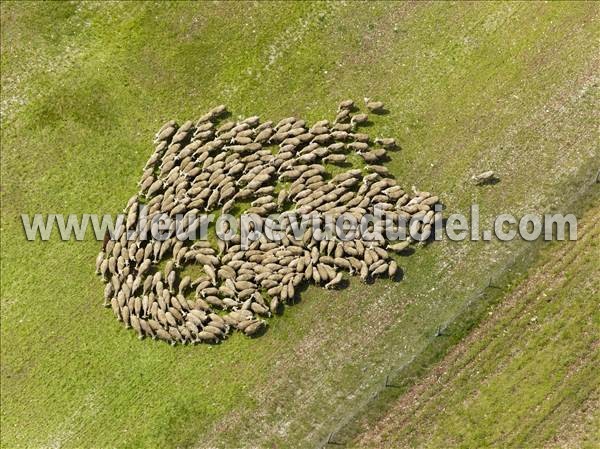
[[510, 87], [526, 377]]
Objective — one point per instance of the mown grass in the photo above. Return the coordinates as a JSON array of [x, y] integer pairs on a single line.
[[526, 378], [84, 86]]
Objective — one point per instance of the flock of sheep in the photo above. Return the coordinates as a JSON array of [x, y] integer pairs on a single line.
[[215, 164]]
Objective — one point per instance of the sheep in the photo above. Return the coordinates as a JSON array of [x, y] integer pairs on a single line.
[[202, 167], [215, 301], [382, 268], [155, 187], [216, 331], [146, 329], [175, 335], [164, 335], [125, 316], [335, 159], [359, 119], [335, 281], [217, 111], [166, 133], [253, 327], [225, 127], [399, 247], [379, 169], [135, 324], [346, 105], [342, 116], [373, 106], [388, 143], [359, 147]]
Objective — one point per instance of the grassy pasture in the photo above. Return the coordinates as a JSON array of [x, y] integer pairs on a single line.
[[540, 345], [511, 87]]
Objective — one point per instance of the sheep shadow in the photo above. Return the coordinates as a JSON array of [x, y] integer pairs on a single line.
[[399, 276], [366, 124], [492, 181], [344, 164], [381, 111]]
